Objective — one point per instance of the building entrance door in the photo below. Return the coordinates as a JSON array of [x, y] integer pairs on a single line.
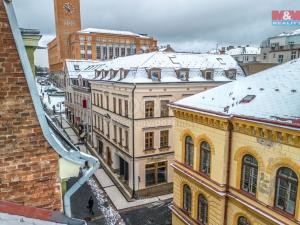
[[108, 157], [124, 169], [100, 147]]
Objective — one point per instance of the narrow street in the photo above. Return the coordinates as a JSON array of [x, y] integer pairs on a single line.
[[139, 212]]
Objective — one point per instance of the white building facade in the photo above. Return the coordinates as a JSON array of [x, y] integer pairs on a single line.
[[281, 48], [246, 54], [78, 93]]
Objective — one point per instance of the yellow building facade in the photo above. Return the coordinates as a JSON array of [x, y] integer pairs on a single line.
[[234, 170]]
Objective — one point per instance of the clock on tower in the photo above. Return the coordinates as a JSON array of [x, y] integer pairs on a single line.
[[67, 21]]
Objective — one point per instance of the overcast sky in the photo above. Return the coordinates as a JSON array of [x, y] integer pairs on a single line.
[[188, 25]]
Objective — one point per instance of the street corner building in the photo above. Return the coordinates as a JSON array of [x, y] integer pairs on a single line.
[[33, 161], [237, 152], [125, 100], [73, 42]]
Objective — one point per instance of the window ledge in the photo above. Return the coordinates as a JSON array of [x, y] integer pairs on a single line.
[[149, 150], [156, 185], [166, 148]]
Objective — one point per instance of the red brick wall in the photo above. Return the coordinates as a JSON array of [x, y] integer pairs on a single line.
[[28, 165]]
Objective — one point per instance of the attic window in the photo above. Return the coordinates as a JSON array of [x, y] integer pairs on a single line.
[[155, 75], [76, 67], [208, 75], [112, 74], [231, 74], [248, 99], [182, 75]]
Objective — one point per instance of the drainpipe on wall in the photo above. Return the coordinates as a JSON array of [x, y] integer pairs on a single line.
[[72, 155], [230, 129], [92, 162], [133, 148]]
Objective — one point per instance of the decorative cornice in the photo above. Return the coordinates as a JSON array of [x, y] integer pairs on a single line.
[[267, 134], [203, 119]]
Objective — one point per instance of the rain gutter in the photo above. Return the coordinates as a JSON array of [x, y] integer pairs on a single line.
[[73, 155]]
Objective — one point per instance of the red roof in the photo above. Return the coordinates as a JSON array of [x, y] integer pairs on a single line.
[[26, 211]]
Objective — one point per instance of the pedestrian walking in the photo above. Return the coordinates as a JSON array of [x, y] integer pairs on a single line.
[[90, 206]]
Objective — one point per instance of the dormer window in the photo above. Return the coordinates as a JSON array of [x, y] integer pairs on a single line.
[[112, 74], [183, 74], [208, 75], [231, 74], [76, 67], [121, 74], [155, 74], [97, 73]]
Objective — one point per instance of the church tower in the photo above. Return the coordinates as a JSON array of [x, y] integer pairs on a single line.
[[67, 21]]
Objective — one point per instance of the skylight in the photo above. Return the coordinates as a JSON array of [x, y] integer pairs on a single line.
[[248, 99]]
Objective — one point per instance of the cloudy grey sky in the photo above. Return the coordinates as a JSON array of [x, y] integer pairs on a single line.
[[186, 24]]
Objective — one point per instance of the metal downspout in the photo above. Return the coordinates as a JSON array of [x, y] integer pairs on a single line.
[[230, 129], [73, 155], [133, 148]]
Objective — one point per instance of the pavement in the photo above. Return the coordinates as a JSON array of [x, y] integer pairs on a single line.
[[112, 191], [157, 213], [79, 201]]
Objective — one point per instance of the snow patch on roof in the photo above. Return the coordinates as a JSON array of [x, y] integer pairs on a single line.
[[291, 33], [114, 32], [276, 91], [244, 51]]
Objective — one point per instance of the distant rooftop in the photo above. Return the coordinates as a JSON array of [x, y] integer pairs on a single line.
[[114, 32], [291, 33], [272, 95], [247, 50], [73, 66], [27, 31]]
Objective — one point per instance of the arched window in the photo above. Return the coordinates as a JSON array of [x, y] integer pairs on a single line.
[[249, 174], [187, 199], [286, 190], [205, 157], [243, 221], [189, 151], [202, 210]]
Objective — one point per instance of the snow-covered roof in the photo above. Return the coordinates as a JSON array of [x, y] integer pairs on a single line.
[[271, 95], [138, 66], [244, 51], [113, 32], [291, 33], [73, 67]]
